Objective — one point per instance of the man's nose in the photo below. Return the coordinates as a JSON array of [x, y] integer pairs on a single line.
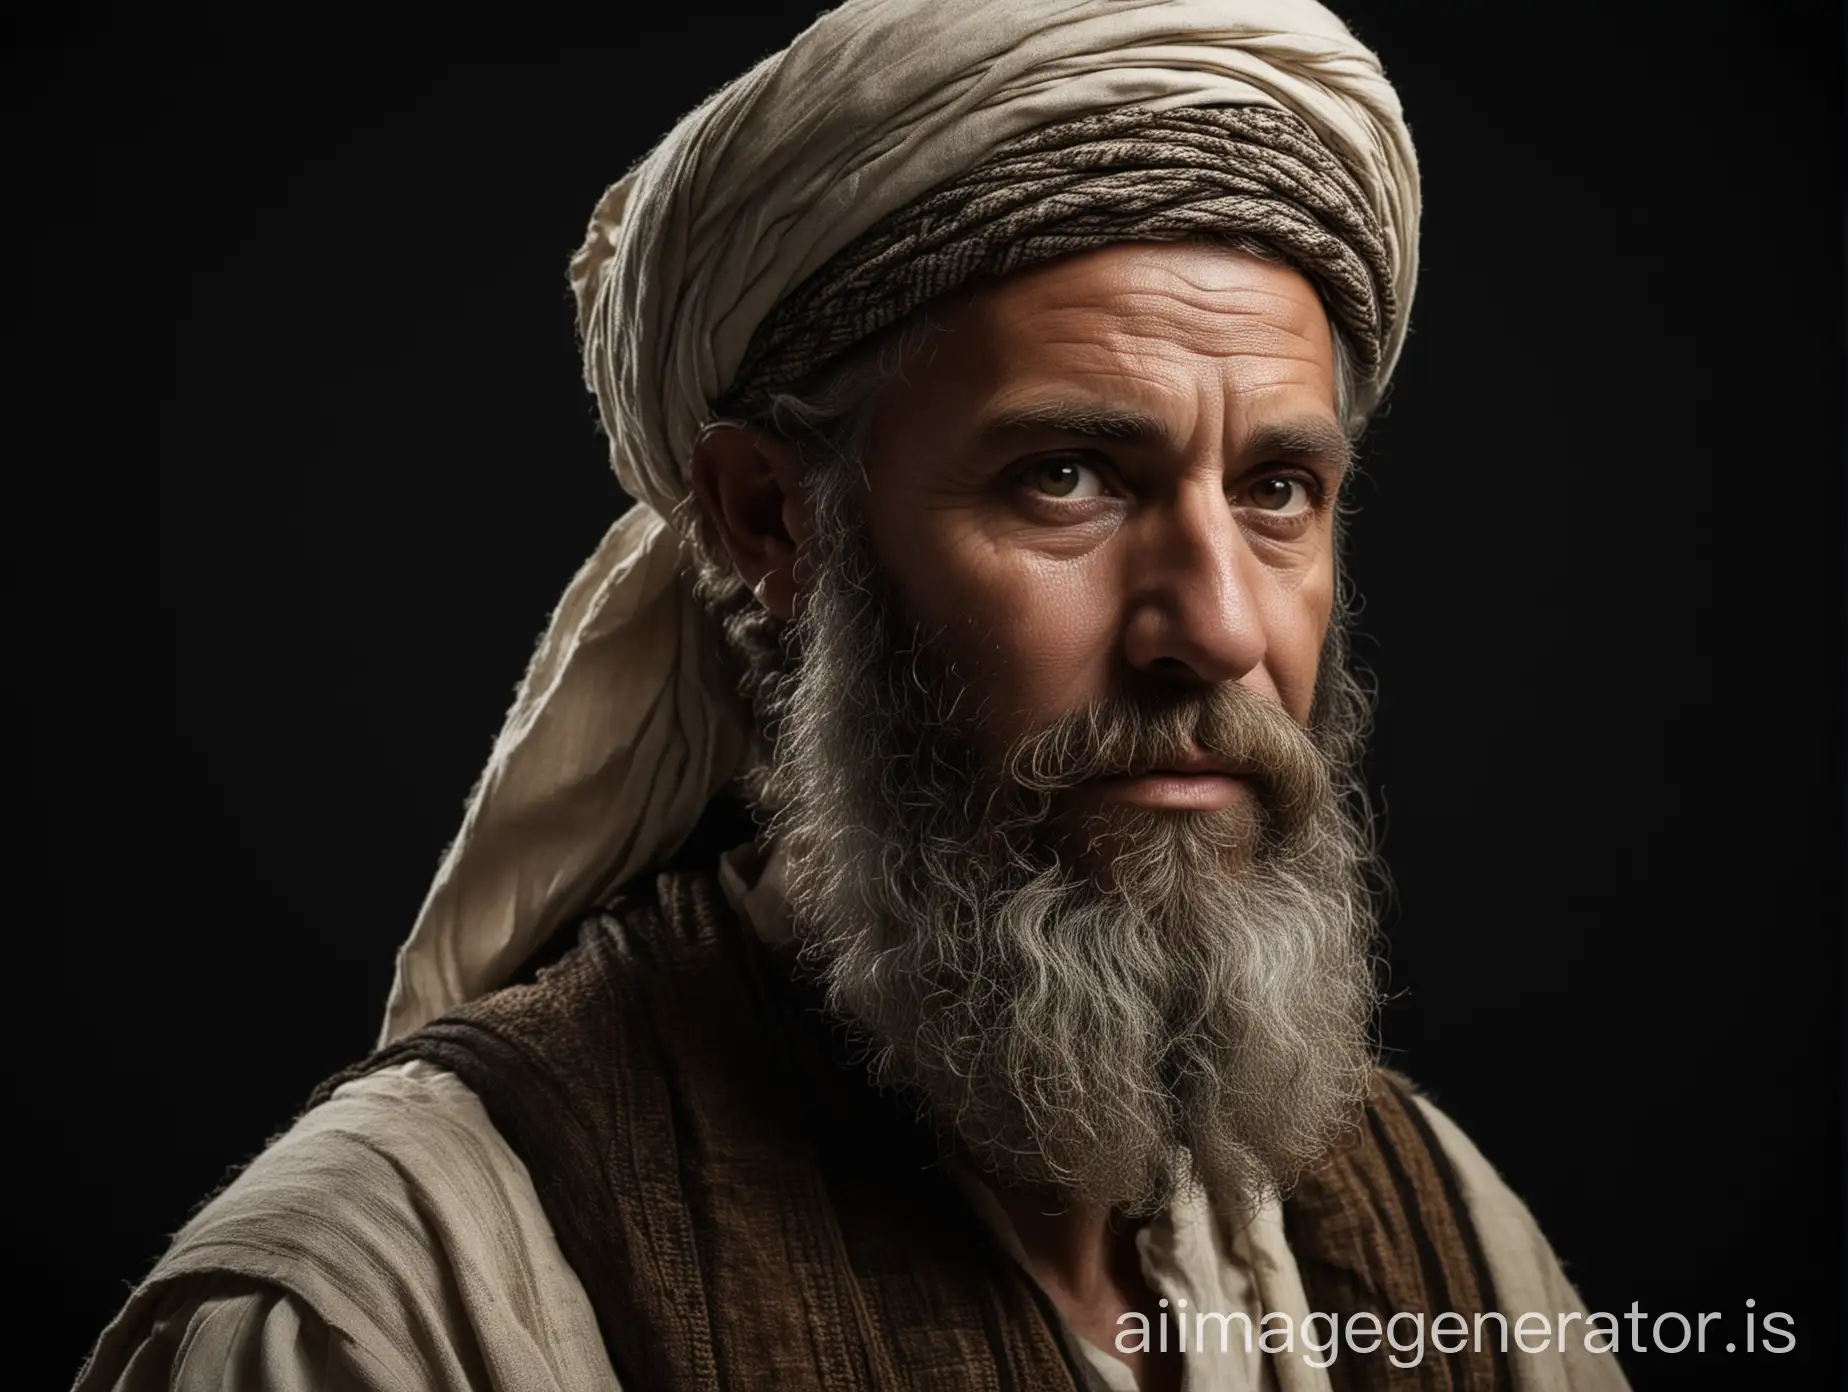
[[1193, 611]]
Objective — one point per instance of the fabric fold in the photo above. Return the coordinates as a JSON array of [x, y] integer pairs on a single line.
[[621, 733]]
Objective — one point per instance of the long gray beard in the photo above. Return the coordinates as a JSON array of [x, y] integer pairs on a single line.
[[1111, 1005]]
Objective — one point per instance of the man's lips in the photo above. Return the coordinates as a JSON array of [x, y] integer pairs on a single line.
[[1201, 782]]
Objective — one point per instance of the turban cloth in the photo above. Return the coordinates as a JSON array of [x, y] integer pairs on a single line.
[[777, 224]]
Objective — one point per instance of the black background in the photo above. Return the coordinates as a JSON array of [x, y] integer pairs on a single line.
[[301, 459]]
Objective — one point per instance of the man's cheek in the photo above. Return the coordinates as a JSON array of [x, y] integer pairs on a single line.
[[1047, 666], [1296, 622]]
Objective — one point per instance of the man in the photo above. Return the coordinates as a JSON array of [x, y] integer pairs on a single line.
[[926, 849]]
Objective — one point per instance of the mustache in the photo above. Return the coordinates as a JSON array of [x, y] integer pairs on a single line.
[[1131, 734]]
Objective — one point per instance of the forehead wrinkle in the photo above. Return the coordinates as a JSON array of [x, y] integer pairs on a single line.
[[1186, 409], [1215, 332], [1143, 367], [1190, 344], [1280, 289]]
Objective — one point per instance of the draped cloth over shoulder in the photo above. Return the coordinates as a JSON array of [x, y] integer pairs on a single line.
[[625, 724]]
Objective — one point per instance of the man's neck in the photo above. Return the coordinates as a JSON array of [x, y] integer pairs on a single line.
[[1085, 1259]]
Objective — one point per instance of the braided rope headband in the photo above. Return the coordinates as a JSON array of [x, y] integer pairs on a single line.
[[1200, 173]]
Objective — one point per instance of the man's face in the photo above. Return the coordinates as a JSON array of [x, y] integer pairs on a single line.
[[1063, 839], [1114, 474]]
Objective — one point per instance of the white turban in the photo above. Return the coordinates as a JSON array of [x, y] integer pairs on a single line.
[[626, 724]]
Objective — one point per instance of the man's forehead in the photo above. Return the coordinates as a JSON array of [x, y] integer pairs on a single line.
[[1137, 281], [1145, 344]]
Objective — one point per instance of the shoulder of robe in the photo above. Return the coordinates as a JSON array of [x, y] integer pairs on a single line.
[[395, 1214], [1527, 1274], [227, 1334]]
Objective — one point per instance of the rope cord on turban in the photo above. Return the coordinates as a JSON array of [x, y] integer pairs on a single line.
[[1128, 175]]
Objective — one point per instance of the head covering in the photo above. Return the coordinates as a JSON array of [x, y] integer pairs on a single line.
[[626, 725], [1213, 173]]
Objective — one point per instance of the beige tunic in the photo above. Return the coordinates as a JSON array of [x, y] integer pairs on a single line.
[[393, 1240]]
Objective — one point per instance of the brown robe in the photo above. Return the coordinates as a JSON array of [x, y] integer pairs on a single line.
[[745, 1210]]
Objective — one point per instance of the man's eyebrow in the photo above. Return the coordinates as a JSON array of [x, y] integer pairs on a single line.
[[1308, 438], [1087, 419]]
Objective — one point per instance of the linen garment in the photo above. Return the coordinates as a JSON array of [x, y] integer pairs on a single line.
[[392, 1239]]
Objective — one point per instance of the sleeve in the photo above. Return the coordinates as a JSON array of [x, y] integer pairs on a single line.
[[1526, 1273], [225, 1337], [390, 1240]]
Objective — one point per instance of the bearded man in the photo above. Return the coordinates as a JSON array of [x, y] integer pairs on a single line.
[[914, 929]]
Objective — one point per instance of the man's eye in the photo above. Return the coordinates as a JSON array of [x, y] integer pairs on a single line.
[[1279, 494], [1062, 477]]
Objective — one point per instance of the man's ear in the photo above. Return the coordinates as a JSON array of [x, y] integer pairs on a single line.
[[750, 484]]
